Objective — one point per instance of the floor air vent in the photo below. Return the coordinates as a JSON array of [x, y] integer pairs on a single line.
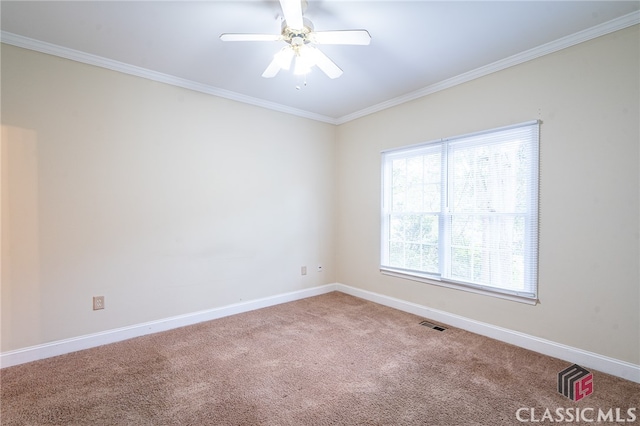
[[430, 325]]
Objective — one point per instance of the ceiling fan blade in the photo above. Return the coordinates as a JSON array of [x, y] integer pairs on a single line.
[[284, 57], [250, 37], [325, 64], [281, 60], [292, 10], [272, 69], [359, 37]]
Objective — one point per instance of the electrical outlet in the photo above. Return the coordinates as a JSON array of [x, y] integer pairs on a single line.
[[98, 302], [303, 270]]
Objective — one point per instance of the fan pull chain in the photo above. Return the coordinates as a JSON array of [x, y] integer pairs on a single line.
[[304, 82]]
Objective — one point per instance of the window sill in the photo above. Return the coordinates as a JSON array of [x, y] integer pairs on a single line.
[[458, 286]]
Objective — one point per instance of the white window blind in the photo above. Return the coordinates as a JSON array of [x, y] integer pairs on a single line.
[[463, 211]]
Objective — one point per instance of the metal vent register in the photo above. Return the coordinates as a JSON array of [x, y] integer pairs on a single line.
[[434, 326]]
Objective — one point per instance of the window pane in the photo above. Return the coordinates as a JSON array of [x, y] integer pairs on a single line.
[[465, 209], [432, 197], [396, 228], [413, 242], [415, 185], [413, 256], [488, 250], [396, 254], [398, 184], [430, 261], [490, 178], [429, 229], [412, 227], [460, 263]]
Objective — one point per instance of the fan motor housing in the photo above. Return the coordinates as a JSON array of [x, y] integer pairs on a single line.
[[296, 36]]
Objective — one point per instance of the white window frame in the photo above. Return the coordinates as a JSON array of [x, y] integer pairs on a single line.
[[442, 277]]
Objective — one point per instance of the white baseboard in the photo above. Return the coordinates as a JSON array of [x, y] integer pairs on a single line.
[[586, 359], [615, 367], [60, 347]]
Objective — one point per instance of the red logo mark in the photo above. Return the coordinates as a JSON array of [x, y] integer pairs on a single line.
[[575, 382]]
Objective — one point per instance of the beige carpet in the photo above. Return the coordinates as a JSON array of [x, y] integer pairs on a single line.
[[327, 360]]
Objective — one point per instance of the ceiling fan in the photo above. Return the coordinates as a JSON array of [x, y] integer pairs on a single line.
[[300, 38]]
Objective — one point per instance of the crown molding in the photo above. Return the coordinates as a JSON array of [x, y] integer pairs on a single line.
[[87, 58], [545, 49], [528, 55]]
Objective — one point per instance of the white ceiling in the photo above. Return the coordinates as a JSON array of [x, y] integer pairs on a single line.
[[417, 46]]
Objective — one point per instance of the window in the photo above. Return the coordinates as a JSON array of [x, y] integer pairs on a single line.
[[463, 212]]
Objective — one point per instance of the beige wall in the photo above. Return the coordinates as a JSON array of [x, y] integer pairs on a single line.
[[164, 200], [587, 97], [168, 201]]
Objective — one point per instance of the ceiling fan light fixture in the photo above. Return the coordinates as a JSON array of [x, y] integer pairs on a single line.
[[284, 57], [304, 62]]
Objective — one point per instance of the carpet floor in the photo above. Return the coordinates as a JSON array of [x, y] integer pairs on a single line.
[[332, 359]]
